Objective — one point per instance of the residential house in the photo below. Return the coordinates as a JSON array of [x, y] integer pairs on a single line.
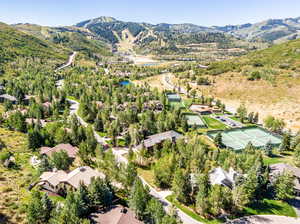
[[8, 97], [32, 121], [116, 215], [60, 181], [204, 109], [158, 139], [220, 176], [68, 148], [279, 168]]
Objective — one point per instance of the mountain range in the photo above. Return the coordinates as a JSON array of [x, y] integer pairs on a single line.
[[269, 30], [108, 30]]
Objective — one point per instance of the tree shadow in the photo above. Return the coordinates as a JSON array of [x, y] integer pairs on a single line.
[[4, 219]]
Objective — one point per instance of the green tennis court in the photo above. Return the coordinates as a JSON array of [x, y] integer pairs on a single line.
[[238, 139], [194, 120]]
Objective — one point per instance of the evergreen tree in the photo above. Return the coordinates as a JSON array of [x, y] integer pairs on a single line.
[[155, 211], [39, 208], [202, 202], [99, 193], [297, 155], [284, 186], [181, 186], [218, 140], [286, 142], [139, 198], [268, 148], [60, 160]]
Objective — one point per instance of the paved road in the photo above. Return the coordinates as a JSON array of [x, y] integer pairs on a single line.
[[119, 154], [73, 110], [169, 84], [70, 61]]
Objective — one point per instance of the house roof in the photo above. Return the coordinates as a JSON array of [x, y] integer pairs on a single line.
[[82, 174], [173, 96], [53, 178], [279, 168], [35, 121], [221, 177], [74, 178], [202, 108], [116, 215], [158, 138], [71, 150], [8, 97]]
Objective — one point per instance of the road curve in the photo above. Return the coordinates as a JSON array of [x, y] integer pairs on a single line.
[[70, 61]]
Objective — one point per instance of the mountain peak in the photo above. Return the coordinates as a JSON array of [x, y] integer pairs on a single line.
[[101, 19]]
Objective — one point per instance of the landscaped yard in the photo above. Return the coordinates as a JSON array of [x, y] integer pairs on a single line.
[[213, 123], [277, 158], [190, 212], [148, 176], [270, 207]]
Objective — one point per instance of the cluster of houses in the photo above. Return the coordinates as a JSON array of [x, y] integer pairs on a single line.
[[60, 182]]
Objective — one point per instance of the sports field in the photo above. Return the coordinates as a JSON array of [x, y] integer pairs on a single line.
[[194, 120], [238, 139]]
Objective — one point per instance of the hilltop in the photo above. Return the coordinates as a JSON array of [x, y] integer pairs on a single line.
[[272, 30], [167, 39], [74, 38], [267, 81], [15, 45]]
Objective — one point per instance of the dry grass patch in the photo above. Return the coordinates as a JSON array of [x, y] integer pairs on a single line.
[[14, 182]]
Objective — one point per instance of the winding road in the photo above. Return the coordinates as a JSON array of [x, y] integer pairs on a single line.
[[120, 152]]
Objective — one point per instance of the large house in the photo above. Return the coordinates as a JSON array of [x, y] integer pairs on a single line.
[[158, 139], [279, 168], [69, 149], [7, 97], [60, 181], [204, 109], [116, 215], [221, 177]]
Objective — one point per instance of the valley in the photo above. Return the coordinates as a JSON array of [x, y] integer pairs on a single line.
[[158, 123]]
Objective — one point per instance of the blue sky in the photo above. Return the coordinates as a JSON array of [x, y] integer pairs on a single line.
[[201, 12]]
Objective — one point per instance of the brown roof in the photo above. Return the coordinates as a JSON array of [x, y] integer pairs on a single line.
[[53, 178], [74, 178], [82, 174], [71, 150], [203, 108], [116, 216]]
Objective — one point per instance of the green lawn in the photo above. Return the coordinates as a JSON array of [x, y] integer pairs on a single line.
[[270, 207], [148, 176], [213, 123], [177, 104], [73, 98], [190, 212], [286, 157], [57, 198]]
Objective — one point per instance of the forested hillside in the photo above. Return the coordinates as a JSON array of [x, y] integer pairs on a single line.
[[15, 45], [77, 39]]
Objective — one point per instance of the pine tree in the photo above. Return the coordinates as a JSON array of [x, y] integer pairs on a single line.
[[297, 155], [268, 148], [181, 186], [139, 198], [284, 186], [39, 208], [218, 140]]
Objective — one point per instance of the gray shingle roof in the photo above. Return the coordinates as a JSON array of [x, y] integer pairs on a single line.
[[8, 97], [158, 138]]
